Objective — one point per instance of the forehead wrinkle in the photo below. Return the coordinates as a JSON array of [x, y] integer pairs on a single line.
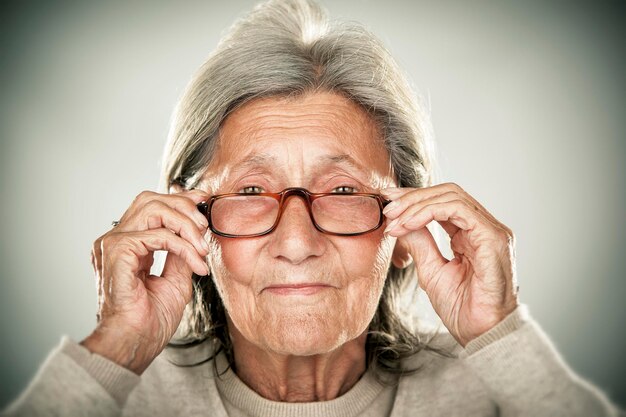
[[222, 172], [344, 121], [328, 120], [345, 160], [335, 113], [373, 178], [307, 119], [270, 163], [309, 131], [255, 160]]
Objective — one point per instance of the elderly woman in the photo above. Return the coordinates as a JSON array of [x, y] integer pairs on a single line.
[[299, 176]]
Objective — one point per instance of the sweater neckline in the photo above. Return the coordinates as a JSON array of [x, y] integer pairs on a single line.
[[352, 403]]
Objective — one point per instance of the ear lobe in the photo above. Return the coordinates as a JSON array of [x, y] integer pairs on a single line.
[[401, 258]]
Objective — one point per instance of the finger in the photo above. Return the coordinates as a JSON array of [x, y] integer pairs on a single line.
[[145, 264], [96, 262], [401, 198], [196, 195], [405, 198], [455, 212], [183, 286], [144, 243], [184, 250], [410, 211], [176, 269], [185, 203], [187, 253], [454, 193], [178, 273], [395, 192], [175, 265], [428, 259], [156, 214], [96, 256], [449, 228], [427, 256]]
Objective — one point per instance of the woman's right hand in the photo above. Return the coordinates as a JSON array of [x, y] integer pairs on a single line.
[[138, 313]]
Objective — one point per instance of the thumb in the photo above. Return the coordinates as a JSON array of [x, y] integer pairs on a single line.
[[421, 246], [178, 272]]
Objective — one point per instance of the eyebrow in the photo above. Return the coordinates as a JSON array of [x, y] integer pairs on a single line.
[[266, 160], [342, 159], [256, 160], [262, 159]]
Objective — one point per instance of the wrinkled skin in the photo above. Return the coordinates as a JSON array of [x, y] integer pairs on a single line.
[[303, 344]]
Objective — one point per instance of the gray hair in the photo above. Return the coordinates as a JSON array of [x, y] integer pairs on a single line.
[[289, 48]]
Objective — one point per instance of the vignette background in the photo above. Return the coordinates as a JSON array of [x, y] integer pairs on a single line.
[[528, 102]]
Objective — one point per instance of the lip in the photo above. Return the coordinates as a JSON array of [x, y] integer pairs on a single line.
[[297, 289]]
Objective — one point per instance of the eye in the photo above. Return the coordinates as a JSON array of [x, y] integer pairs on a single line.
[[344, 189], [252, 189]]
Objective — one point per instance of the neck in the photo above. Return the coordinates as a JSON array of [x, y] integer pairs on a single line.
[[290, 378]]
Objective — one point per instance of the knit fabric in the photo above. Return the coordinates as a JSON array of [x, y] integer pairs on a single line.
[[512, 370]]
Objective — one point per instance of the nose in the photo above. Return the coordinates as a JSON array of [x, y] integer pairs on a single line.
[[295, 238]]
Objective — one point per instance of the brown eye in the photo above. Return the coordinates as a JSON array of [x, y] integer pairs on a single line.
[[344, 189], [253, 189]]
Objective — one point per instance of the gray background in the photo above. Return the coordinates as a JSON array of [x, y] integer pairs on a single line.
[[528, 103]]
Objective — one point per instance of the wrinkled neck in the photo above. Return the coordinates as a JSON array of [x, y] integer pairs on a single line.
[[290, 378]]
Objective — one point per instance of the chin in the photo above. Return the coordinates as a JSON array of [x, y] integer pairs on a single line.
[[304, 335]]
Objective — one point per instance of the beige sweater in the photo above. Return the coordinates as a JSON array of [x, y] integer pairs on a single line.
[[512, 370]]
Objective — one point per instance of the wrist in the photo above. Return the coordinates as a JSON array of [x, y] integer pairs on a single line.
[[121, 346], [486, 324], [511, 323]]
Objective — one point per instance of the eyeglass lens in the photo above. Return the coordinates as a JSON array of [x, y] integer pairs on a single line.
[[254, 214]]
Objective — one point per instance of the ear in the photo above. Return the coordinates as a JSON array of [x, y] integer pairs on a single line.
[[401, 258]]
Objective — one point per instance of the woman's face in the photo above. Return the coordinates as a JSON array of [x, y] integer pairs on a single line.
[[320, 142]]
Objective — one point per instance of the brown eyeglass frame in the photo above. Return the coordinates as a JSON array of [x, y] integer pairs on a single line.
[[205, 208]]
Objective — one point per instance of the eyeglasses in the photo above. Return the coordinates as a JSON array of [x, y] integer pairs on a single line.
[[250, 215]]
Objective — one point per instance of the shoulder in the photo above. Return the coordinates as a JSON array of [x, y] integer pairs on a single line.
[[178, 363], [438, 373], [180, 381]]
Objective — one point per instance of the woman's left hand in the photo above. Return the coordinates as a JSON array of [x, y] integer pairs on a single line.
[[477, 288]]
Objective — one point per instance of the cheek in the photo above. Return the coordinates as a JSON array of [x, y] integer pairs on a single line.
[[235, 258], [367, 267], [232, 263], [360, 263], [366, 257]]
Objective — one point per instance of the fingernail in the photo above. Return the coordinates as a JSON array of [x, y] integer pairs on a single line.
[[391, 206], [390, 226]]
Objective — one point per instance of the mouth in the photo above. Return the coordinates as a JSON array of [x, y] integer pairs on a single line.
[[297, 289]]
